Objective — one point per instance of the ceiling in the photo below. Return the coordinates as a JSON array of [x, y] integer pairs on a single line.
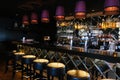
[[10, 8]]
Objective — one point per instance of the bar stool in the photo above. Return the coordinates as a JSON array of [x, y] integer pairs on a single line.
[[27, 61], [107, 79], [9, 60], [17, 64], [78, 75], [56, 69], [39, 64]]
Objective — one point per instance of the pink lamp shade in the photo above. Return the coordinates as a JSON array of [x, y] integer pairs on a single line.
[[25, 20], [60, 13], [34, 18], [112, 6], [80, 9], [45, 16]]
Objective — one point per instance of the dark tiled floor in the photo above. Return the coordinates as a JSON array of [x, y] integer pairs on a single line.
[[8, 74]]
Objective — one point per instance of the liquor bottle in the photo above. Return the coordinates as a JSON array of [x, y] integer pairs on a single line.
[[118, 47]]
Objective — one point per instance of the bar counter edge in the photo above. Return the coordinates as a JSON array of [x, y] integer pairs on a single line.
[[72, 52]]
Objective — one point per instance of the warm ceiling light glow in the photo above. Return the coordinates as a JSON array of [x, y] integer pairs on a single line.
[[25, 20], [111, 7], [34, 18], [80, 9], [45, 16], [59, 13], [80, 15]]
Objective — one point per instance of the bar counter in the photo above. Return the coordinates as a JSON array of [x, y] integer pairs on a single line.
[[75, 58], [74, 51]]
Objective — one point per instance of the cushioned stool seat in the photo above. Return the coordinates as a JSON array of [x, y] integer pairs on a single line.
[[56, 69], [17, 64], [18, 55], [27, 61], [39, 64], [107, 79], [77, 75]]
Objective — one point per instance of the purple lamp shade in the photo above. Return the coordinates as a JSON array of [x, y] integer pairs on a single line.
[[60, 13], [45, 16], [34, 18], [25, 20], [80, 9], [111, 3], [111, 6]]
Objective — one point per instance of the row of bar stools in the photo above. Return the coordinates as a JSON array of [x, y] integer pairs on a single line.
[[77, 75], [27, 61], [58, 69], [107, 79], [17, 65], [55, 69], [39, 64]]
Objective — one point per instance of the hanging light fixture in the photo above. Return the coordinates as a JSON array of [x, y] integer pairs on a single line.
[[59, 13], [80, 9], [25, 20], [45, 16], [111, 6], [34, 18]]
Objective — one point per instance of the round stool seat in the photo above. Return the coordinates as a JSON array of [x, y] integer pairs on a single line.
[[27, 70], [28, 58], [18, 55], [56, 69], [17, 66], [107, 79], [40, 63], [14, 51], [77, 75], [56, 65]]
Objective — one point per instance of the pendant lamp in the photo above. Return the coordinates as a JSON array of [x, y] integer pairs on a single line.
[[34, 18], [111, 6], [25, 20], [59, 13], [80, 9], [45, 16]]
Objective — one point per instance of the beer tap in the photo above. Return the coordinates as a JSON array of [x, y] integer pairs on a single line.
[[86, 44]]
